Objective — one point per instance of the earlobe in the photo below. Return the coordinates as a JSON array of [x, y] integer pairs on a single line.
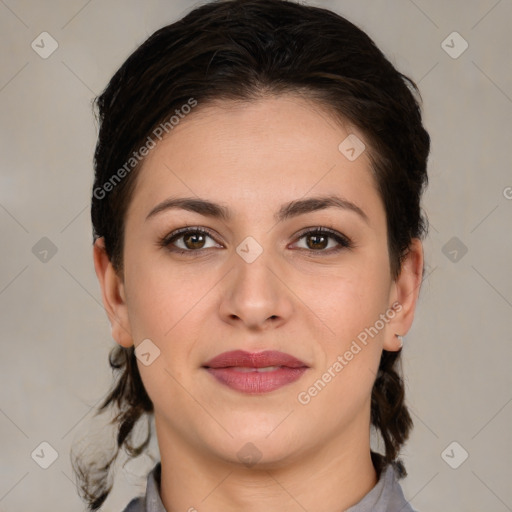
[[405, 294], [113, 295]]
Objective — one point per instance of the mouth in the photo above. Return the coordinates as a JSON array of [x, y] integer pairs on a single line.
[[256, 372]]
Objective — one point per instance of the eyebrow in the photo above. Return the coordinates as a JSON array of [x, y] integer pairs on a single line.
[[287, 211]]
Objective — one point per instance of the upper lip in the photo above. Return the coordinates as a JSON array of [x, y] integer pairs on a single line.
[[241, 358]]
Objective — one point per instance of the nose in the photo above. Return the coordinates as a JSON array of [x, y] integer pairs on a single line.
[[255, 294]]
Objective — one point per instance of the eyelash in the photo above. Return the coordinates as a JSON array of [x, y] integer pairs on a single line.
[[343, 241]]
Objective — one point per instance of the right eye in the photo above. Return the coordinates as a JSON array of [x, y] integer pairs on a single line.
[[191, 240]]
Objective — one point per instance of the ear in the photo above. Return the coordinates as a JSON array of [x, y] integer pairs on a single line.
[[405, 292], [113, 294]]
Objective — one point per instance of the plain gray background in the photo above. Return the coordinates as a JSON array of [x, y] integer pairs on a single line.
[[55, 334]]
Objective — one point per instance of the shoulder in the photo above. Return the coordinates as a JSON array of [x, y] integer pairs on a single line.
[[393, 490], [386, 496], [151, 501], [136, 505]]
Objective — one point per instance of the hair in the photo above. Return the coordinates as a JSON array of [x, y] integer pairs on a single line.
[[245, 50]]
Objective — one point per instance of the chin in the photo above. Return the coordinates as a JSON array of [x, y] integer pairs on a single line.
[[257, 450]]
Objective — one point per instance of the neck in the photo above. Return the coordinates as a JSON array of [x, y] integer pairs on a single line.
[[327, 478]]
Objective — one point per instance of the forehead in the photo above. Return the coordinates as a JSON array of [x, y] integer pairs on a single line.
[[256, 155]]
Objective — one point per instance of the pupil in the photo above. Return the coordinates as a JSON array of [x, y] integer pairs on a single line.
[[193, 236], [317, 237]]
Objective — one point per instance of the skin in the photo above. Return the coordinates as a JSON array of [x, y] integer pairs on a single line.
[[254, 157]]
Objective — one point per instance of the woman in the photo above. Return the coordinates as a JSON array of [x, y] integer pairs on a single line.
[[257, 226]]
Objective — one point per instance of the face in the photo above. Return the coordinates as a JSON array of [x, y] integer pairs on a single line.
[[276, 272]]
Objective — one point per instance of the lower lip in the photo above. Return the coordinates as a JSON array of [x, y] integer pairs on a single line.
[[254, 382]]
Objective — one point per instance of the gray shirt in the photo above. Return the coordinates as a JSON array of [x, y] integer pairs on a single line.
[[386, 496]]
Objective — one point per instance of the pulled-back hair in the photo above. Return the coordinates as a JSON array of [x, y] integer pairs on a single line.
[[244, 50]]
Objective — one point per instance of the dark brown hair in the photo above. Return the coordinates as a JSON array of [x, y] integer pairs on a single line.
[[244, 50]]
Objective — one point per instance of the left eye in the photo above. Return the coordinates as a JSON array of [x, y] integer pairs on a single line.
[[317, 240]]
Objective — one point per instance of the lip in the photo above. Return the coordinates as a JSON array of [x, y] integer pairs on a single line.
[[239, 370], [254, 359]]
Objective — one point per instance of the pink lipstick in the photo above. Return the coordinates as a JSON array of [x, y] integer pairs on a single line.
[[256, 372]]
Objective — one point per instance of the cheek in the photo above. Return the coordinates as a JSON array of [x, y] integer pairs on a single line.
[[162, 297], [167, 305], [348, 305], [348, 300], [164, 306]]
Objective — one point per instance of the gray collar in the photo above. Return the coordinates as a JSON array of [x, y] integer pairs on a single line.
[[386, 496]]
